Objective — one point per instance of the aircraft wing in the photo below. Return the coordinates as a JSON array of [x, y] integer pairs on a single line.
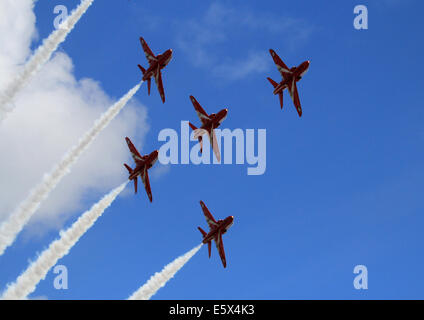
[[209, 218], [149, 54], [159, 84], [295, 97], [153, 157], [281, 66], [135, 154], [145, 179], [203, 116], [220, 247]]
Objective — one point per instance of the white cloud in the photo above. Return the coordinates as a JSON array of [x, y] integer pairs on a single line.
[[201, 38], [51, 114], [17, 21]]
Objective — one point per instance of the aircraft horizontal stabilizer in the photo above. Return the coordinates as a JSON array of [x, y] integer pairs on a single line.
[[128, 168], [202, 231], [209, 242], [142, 69], [274, 84]]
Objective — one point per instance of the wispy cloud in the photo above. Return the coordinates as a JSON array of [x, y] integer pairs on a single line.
[[203, 38]]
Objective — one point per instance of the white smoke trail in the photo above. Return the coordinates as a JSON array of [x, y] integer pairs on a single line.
[[10, 228], [40, 57], [159, 279], [37, 271]]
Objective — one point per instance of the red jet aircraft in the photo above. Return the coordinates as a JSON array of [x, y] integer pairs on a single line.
[[290, 77], [143, 163], [157, 63], [217, 229], [209, 123]]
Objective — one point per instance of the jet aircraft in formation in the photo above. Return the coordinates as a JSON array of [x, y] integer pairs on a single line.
[[142, 165], [156, 64], [290, 78], [217, 229], [209, 122]]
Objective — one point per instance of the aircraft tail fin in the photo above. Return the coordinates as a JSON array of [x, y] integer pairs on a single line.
[[149, 81], [130, 171], [193, 127], [135, 185], [274, 84], [209, 243], [209, 248], [280, 94]]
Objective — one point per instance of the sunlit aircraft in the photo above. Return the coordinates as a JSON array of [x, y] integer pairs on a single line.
[[290, 77], [209, 123], [156, 64], [142, 165], [217, 229]]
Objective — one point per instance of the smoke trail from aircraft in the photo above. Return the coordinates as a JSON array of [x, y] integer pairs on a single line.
[[40, 57], [159, 279], [37, 271], [17, 220]]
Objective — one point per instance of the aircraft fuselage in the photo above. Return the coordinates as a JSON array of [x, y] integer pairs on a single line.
[[222, 227], [148, 162], [297, 74], [215, 119], [162, 61]]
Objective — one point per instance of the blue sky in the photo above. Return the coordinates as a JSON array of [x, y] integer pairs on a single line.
[[343, 183]]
